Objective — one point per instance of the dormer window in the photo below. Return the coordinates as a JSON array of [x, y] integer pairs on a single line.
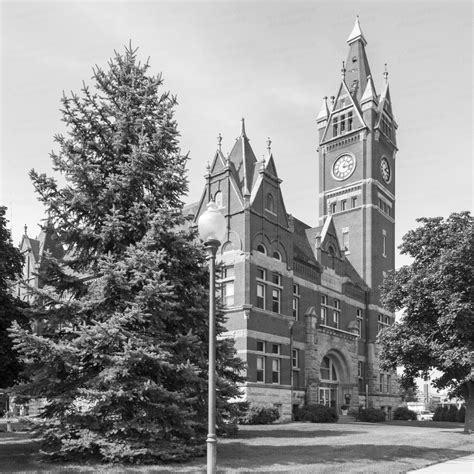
[[342, 123], [270, 203], [218, 199], [386, 126]]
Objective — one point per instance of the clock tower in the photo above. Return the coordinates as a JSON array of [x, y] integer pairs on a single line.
[[357, 147]]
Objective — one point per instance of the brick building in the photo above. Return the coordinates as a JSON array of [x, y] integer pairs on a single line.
[[302, 302]]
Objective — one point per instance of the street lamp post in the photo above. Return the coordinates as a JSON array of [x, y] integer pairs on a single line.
[[211, 226]]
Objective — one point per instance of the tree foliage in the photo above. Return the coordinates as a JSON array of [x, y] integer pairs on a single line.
[[122, 356], [435, 292], [11, 265]]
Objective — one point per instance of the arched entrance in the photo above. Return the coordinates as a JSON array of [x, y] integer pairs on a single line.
[[334, 379], [328, 388]]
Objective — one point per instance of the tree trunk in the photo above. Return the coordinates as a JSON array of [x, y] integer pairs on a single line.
[[469, 420]]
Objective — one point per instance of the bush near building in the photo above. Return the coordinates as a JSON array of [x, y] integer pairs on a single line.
[[403, 413], [371, 415], [452, 413], [260, 415], [316, 414]]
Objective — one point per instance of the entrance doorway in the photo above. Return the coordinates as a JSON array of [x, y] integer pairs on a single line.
[[328, 396]]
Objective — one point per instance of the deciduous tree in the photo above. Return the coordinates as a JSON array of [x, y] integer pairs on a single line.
[[122, 356], [435, 292]]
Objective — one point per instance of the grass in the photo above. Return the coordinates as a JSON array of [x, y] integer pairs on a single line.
[[295, 447]]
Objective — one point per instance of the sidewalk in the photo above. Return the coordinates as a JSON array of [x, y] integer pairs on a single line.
[[464, 465]]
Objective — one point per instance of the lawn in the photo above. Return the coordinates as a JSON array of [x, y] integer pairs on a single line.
[[294, 447]]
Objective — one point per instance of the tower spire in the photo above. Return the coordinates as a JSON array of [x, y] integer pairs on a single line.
[[357, 65], [242, 132]]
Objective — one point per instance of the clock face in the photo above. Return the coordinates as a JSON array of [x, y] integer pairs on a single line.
[[385, 170], [343, 167]]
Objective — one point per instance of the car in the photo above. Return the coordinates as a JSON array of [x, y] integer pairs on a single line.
[[425, 416]]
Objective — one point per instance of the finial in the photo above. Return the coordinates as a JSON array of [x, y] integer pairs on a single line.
[[26, 229], [332, 99], [269, 145], [385, 73], [219, 141], [262, 166], [242, 133], [208, 167], [343, 70]]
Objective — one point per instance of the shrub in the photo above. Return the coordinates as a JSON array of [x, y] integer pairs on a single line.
[[403, 413], [260, 415], [461, 415], [452, 413], [371, 415], [354, 411], [316, 414], [437, 413], [444, 413]]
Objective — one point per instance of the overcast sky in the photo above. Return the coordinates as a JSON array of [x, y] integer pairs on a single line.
[[270, 62]]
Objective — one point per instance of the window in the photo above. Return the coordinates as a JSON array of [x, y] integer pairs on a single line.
[[277, 255], [384, 244], [359, 369], [354, 201], [269, 203], [261, 248], [260, 295], [386, 126], [260, 346], [349, 120], [387, 320], [381, 383], [360, 374], [260, 369], [295, 306], [324, 310], [275, 370], [332, 208], [359, 320], [276, 349], [227, 286], [327, 370], [342, 123], [228, 293], [276, 279], [276, 297], [389, 382], [336, 313], [294, 358], [218, 199], [261, 274], [338, 125], [345, 241], [296, 289], [343, 205]]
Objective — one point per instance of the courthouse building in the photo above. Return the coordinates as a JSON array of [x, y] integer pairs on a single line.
[[303, 302]]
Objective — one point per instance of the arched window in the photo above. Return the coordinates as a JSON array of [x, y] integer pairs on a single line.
[[328, 370], [218, 199], [269, 203], [227, 247], [277, 255], [261, 248]]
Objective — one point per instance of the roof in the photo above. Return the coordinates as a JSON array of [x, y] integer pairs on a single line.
[[302, 245]]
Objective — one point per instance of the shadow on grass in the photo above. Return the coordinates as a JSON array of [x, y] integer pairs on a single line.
[[239, 455], [426, 424], [286, 433]]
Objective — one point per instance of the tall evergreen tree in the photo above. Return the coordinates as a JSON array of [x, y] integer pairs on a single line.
[[11, 265], [122, 356]]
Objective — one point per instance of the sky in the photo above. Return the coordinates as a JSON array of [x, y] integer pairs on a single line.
[[269, 62]]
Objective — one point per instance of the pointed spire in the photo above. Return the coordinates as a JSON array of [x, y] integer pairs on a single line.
[[219, 142], [242, 132], [356, 33], [369, 93], [324, 112]]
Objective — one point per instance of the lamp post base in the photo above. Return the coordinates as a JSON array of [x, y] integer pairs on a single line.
[[211, 454]]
